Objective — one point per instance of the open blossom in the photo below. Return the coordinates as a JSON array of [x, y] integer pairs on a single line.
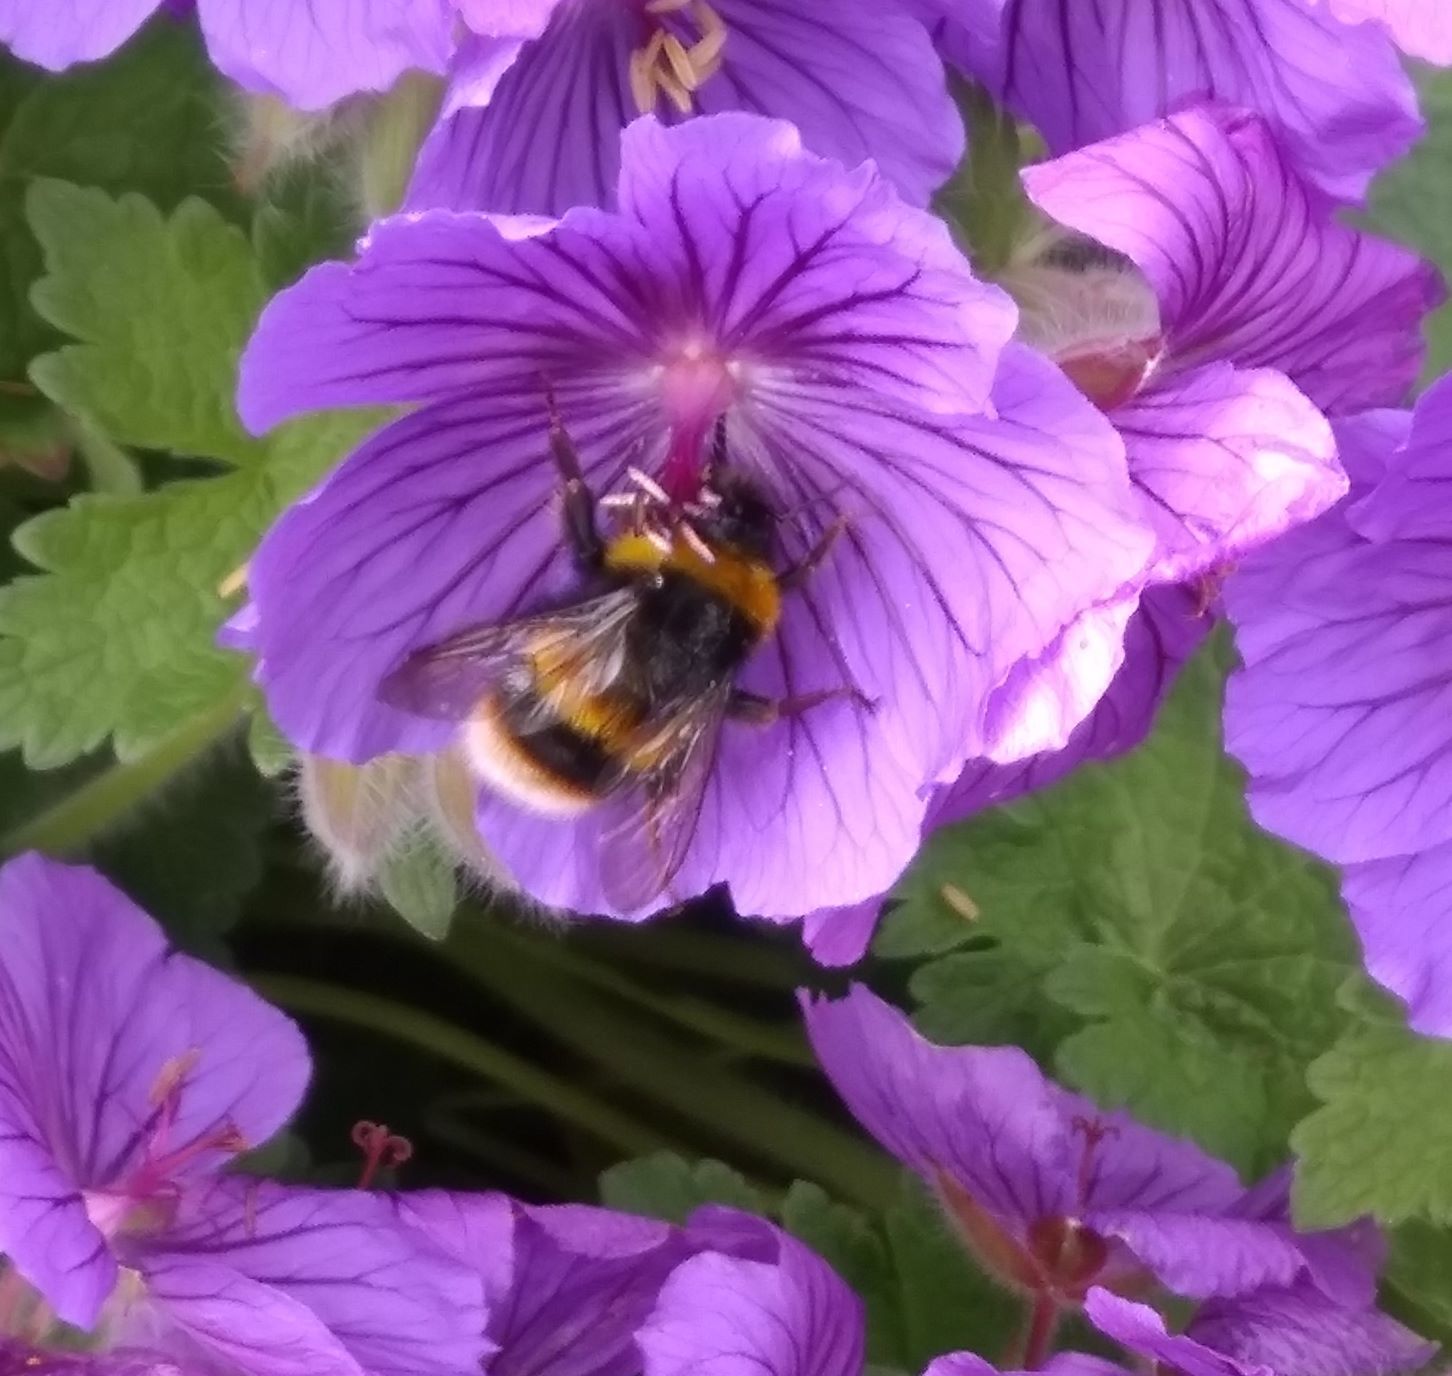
[[1052, 1193], [308, 55], [565, 1286], [1334, 92], [1340, 712], [1239, 312], [130, 1075], [841, 346], [535, 127]]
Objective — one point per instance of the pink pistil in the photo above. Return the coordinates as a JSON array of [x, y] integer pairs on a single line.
[[382, 1150], [696, 389]]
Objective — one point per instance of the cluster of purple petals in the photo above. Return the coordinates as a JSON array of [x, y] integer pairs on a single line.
[[1339, 713]]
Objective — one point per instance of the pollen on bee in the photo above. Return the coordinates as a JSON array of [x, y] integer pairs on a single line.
[[666, 65]]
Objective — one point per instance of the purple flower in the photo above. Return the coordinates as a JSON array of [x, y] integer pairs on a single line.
[[1239, 311], [307, 54], [1420, 27], [1340, 712], [840, 344], [536, 127], [753, 1302], [129, 1076], [1277, 1331], [1335, 93], [565, 1286], [20, 1359], [1054, 1194]]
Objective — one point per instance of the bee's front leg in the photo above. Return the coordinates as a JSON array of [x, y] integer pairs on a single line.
[[798, 574], [756, 710], [582, 532]]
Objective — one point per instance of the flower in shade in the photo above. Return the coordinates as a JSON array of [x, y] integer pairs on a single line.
[[535, 126], [307, 54], [565, 1286], [1052, 1193], [859, 375], [1420, 27], [1215, 309], [1334, 92], [20, 1359], [1340, 711], [130, 1075]]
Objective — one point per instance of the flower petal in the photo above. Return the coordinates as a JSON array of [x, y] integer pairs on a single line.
[[1225, 459], [566, 1286], [862, 81], [99, 1019], [723, 1315], [984, 1117], [1298, 1330], [1247, 261], [1143, 1331], [285, 1282], [1164, 632], [56, 33], [313, 54], [1412, 502], [1335, 94], [1420, 27]]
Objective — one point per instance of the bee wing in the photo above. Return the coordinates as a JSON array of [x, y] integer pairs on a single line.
[[641, 855], [446, 681]]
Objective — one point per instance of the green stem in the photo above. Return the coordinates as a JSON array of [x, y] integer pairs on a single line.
[[698, 954], [516, 971], [732, 1030], [453, 1044], [100, 802]]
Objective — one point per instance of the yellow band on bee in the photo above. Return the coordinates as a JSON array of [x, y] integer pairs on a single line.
[[747, 585]]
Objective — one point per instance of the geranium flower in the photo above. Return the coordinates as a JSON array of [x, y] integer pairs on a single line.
[[1052, 1193], [1230, 310], [1421, 27], [1334, 92], [536, 127], [1339, 714], [841, 345], [130, 1075]]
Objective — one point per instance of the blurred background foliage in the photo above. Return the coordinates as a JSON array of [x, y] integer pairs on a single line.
[[1129, 926]]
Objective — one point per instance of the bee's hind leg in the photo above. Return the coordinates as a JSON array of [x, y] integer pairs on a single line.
[[582, 533], [756, 710]]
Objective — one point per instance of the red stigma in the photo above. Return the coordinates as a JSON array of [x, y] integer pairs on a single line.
[[381, 1150]]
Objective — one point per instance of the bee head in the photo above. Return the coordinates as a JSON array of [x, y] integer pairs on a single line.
[[734, 512]]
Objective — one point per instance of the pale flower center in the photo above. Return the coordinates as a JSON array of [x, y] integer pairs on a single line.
[[682, 53], [696, 387]]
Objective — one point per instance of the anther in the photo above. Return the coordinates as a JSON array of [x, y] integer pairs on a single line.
[[381, 1149], [667, 65]]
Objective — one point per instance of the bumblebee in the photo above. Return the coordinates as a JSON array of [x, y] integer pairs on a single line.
[[619, 696]]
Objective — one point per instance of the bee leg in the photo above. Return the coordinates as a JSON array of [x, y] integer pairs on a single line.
[[582, 534], [798, 574], [756, 710]]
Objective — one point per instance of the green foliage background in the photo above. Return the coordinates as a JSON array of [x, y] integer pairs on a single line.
[[1133, 929]]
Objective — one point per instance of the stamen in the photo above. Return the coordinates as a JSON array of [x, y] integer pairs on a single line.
[[381, 1150], [234, 582], [1094, 1132], [669, 65]]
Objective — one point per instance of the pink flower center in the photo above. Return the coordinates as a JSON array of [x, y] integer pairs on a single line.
[[143, 1200], [696, 388]]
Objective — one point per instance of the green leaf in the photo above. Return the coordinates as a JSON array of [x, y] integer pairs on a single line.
[[115, 637], [664, 1185], [1139, 900], [419, 880], [1414, 1283], [145, 120], [1411, 202], [1381, 1142]]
